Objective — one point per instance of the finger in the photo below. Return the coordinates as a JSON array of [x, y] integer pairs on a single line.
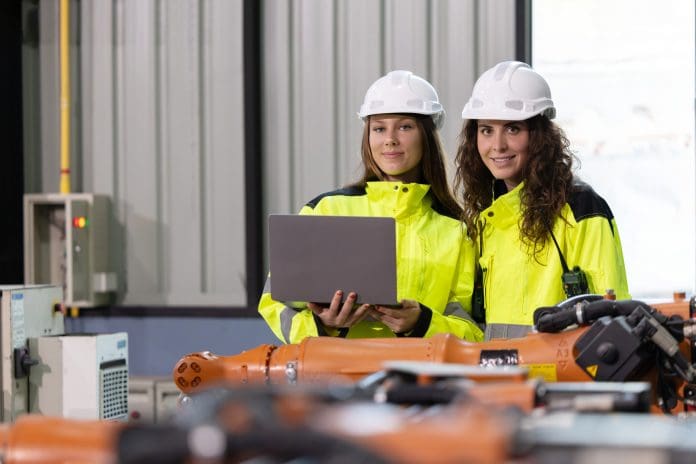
[[387, 311], [372, 312], [350, 301], [336, 302], [360, 313], [344, 316]]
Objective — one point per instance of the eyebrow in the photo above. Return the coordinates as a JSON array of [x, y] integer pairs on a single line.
[[405, 118], [508, 124]]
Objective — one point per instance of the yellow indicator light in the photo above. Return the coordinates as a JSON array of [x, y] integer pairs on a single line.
[[80, 222]]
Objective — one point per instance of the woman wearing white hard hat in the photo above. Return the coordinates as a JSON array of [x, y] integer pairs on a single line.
[[541, 234], [404, 177]]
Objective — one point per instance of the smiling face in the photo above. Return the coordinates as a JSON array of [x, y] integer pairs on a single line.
[[396, 144], [504, 149]]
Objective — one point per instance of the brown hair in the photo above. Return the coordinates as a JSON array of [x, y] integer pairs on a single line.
[[432, 165], [548, 180]]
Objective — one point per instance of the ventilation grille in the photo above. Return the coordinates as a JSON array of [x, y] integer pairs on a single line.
[[114, 387]]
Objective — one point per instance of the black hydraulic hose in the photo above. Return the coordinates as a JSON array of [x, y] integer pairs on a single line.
[[551, 319], [556, 318]]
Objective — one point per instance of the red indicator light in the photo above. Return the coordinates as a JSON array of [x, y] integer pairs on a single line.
[[80, 222]]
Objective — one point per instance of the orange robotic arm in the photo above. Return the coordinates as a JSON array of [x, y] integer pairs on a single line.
[[325, 359], [552, 356], [48, 440]]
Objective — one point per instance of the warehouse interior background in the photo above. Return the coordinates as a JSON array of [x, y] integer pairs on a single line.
[[198, 118]]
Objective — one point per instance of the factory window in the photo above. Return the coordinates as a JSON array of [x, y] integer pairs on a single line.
[[622, 77]]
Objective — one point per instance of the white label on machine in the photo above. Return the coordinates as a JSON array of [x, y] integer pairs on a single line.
[[19, 337]]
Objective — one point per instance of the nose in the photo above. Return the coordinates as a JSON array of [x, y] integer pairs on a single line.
[[499, 141], [390, 138]]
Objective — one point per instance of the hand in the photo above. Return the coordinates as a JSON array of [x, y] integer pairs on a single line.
[[339, 315], [399, 320]]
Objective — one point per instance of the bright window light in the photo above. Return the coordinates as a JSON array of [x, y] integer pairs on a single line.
[[622, 77]]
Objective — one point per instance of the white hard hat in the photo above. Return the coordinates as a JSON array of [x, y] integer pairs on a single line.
[[511, 91], [402, 92]]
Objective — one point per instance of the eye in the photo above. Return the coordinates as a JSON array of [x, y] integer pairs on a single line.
[[405, 127], [514, 129], [377, 129], [485, 130]]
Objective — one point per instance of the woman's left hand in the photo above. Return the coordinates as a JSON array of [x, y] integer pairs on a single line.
[[399, 320]]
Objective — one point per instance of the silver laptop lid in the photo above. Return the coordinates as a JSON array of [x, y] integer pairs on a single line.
[[313, 256]]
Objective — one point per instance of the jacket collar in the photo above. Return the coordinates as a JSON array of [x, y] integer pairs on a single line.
[[506, 206], [400, 199]]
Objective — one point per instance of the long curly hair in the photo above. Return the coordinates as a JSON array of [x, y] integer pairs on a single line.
[[432, 165], [548, 180]]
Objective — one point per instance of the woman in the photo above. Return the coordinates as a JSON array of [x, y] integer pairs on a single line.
[[532, 221], [405, 178]]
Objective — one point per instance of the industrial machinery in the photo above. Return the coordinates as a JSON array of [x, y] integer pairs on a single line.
[[26, 311], [45, 371], [407, 413], [440, 400], [81, 376], [66, 243], [586, 338]]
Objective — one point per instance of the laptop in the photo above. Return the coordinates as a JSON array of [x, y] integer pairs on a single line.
[[313, 256]]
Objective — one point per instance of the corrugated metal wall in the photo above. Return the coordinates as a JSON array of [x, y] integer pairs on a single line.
[[321, 56], [160, 100]]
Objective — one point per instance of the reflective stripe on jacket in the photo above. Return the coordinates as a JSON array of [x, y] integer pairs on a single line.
[[435, 263], [516, 283]]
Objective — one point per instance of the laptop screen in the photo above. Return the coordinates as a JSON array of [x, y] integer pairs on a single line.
[[313, 256]]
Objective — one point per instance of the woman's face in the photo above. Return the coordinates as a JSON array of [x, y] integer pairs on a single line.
[[503, 146], [397, 146]]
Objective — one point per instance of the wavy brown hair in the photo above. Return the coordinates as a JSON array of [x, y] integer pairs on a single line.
[[548, 180], [432, 165]]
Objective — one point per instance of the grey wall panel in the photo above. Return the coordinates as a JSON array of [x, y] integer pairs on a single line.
[[223, 269], [163, 135], [454, 63], [45, 173], [314, 88], [162, 116], [276, 114], [98, 94], [407, 35], [496, 32], [99, 118], [359, 59], [139, 153], [182, 153]]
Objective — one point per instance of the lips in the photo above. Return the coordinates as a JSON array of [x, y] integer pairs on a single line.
[[502, 159], [392, 153]]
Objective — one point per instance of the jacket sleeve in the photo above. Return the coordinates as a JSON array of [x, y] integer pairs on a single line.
[[291, 324], [596, 248], [455, 317]]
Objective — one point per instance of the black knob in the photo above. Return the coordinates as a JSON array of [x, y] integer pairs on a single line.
[[607, 352]]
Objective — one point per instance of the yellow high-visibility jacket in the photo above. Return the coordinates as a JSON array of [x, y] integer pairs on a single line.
[[516, 283], [435, 264]]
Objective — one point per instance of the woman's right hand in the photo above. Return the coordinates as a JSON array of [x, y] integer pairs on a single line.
[[339, 315]]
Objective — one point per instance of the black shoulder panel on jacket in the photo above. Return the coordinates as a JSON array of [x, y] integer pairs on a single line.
[[346, 191], [584, 202], [441, 210]]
